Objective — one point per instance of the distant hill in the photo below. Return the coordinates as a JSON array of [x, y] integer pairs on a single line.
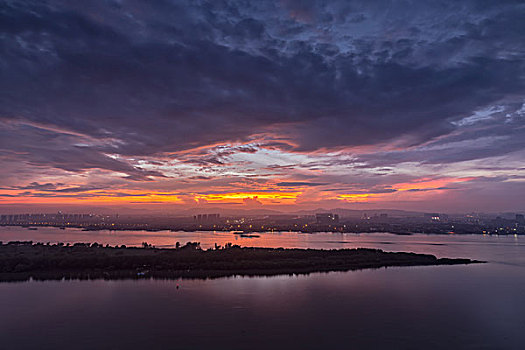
[[352, 213], [344, 213]]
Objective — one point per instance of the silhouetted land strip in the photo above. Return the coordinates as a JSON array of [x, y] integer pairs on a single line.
[[21, 261]]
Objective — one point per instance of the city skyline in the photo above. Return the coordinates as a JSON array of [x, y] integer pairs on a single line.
[[287, 106]]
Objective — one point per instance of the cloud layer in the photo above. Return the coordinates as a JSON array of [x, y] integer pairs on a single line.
[[196, 96]]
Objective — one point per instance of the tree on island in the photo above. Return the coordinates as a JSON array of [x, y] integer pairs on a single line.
[[192, 246]]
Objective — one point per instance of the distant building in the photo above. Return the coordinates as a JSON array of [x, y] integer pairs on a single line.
[[206, 217], [326, 218], [436, 217], [520, 219]]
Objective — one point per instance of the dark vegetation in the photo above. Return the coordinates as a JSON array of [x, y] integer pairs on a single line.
[[21, 261]]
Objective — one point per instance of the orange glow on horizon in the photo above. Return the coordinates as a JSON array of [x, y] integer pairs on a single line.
[[412, 188], [236, 197], [100, 197], [116, 197], [426, 183], [417, 189]]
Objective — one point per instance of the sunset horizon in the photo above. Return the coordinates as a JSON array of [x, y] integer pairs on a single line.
[[268, 105]]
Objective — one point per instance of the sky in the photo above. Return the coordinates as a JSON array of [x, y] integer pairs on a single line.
[[284, 105]]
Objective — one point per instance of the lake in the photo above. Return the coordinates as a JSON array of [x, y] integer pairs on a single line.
[[479, 306]]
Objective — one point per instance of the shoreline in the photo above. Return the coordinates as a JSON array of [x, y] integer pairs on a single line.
[[147, 228], [22, 261], [241, 233]]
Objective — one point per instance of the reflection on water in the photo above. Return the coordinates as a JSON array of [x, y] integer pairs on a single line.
[[442, 307], [483, 247]]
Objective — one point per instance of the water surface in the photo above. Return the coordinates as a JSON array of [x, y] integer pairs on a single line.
[[437, 307]]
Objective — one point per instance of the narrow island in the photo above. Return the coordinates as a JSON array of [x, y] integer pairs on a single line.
[[21, 261]]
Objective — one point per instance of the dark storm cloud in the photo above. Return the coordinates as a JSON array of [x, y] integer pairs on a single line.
[[144, 78], [373, 191], [52, 188], [498, 134], [37, 186], [215, 156], [47, 148], [430, 189]]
